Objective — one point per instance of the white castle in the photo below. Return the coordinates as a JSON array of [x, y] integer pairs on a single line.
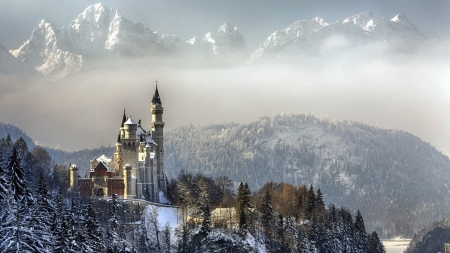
[[137, 170]]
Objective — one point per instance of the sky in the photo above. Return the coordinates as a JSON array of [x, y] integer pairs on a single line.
[[410, 93]]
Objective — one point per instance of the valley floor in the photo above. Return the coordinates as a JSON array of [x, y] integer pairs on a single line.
[[395, 245]]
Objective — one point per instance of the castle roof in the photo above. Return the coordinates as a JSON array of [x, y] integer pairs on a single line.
[[124, 118], [104, 159], [156, 99], [150, 140], [130, 121], [140, 131]]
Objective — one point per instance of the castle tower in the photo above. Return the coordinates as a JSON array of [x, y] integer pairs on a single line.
[[73, 171], [157, 126], [128, 180], [118, 156]]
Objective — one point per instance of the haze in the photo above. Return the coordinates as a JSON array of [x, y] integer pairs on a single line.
[[405, 92]]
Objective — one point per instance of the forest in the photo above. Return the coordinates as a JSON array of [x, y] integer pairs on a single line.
[[38, 215]]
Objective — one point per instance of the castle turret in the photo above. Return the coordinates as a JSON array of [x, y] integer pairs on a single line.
[[128, 180], [157, 126], [73, 171]]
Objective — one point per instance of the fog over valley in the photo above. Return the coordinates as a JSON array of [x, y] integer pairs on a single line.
[[406, 92]]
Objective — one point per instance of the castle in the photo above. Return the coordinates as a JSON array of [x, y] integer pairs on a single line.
[[137, 170]]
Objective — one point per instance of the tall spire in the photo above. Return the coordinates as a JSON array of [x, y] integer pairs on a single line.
[[156, 99], [124, 117]]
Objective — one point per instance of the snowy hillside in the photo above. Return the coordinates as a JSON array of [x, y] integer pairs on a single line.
[[101, 32], [310, 37], [358, 166]]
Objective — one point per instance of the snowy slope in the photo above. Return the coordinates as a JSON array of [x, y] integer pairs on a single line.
[[309, 37], [355, 165]]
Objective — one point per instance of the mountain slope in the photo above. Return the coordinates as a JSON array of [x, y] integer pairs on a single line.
[[398, 181], [312, 37], [431, 238]]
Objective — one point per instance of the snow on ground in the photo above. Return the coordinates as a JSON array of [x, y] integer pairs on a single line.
[[395, 245], [166, 214]]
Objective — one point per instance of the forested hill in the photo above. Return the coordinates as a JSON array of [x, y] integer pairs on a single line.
[[399, 182], [15, 133]]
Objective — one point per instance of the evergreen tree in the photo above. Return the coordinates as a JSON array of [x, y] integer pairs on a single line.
[[17, 230], [280, 234], [3, 183], [243, 204], [21, 147], [374, 244], [359, 234], [348, 242], [320, 205], [243, 226], [166, 239], [143, 243], [113, 225], [267, 216], [311, 205], [16, 177], [94, 233], [206, 223], [147, 195]]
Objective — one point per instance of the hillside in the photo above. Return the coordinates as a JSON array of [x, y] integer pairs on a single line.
[[398, 181], [431, 238], [395, 179]]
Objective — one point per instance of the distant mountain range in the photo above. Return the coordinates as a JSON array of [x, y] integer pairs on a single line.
[[102, 33]]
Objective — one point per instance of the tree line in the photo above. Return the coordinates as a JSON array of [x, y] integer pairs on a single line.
[[282, 217]]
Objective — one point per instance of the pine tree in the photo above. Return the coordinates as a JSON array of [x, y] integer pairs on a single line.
[[374, 243], [166, 239], [3, 183], [113, 225], [21, 147], [17, 230], [280, 234], [147, 195], [16, 177], [320, 205], [359, 234], [243, 204], [311, 204], [143, 244], [206, 223], [267, 216], [243, 226], [94, 233], [348, 242]]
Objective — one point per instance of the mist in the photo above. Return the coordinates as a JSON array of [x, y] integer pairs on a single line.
[[369, 84]]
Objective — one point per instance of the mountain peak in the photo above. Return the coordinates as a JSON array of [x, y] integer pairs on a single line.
[[400, 18], [227, 28], [97, 15]]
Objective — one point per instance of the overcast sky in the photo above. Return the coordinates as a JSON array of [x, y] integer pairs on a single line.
[[410, 93], [256, 19]]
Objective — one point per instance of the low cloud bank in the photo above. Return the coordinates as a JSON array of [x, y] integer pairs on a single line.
[[366, 84]]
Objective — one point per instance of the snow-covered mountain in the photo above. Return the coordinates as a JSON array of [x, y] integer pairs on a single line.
[[355, 165], [310, 37], [100, 32], [224, 47]]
